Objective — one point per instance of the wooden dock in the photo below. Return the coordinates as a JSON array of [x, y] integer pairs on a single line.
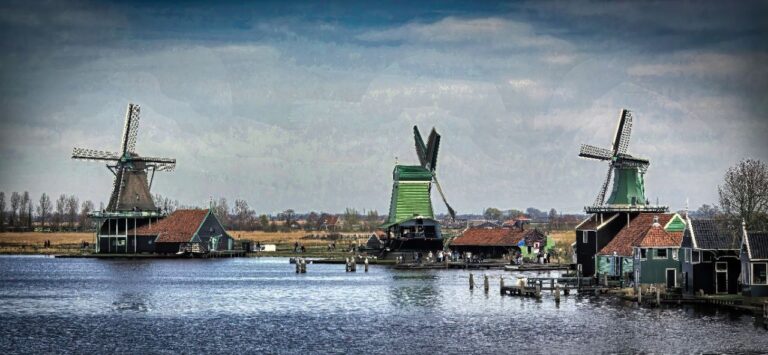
[[537, 267]]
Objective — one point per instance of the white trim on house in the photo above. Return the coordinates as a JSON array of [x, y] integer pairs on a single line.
[[672, 219], [608, 221], [690, 227], [584, 221], [666, 281], [752, 274]]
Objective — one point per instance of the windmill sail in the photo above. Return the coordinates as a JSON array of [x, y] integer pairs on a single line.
[[451, 211]]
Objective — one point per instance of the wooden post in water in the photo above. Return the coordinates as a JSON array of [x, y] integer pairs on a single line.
[[538, 290], [366, 264], [298, 267], [486, 286], [471, 281], [557, 293], [658, 296], [552, 285], [639, 295], [605, 280], [501, 282], [303, 266]]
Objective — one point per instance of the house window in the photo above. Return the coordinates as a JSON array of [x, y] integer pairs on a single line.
[[721, 266], [760, 274], [661, 253], [121, 242], [643, 254], [675, 254], [707, 257], [696, 257], [687, 255], [584, 237]]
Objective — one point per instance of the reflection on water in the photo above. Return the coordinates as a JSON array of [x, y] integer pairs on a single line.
[[415, 289], [260, 305]]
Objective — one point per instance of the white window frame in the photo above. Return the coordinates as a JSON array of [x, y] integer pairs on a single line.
[[656, 254], [752, 271], [640, 253], [687, 255], [665, 276], [698, 256], [675, 254], [585, 237]]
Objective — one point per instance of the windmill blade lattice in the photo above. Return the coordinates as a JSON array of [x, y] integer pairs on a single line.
[[131, 128], [623, 132], [93, 154], [601, 196]]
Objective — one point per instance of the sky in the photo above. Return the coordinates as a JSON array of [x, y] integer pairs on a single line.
[[308, 105]]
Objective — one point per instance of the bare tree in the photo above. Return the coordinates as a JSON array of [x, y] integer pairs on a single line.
[[2, 211], [23, 208], [243, 215], [44, 208], [85, 209], [72, 207], [744, 193], [61, 204], [371, 220], [221, 210], [553, 219], [15, 202]]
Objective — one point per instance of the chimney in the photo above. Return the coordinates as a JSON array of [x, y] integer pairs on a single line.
[[656, 221]]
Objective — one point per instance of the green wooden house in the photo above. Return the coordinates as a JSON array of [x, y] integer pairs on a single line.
[[658, 254], [617, 258]]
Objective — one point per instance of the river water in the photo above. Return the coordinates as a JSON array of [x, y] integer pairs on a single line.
[[259, 305]]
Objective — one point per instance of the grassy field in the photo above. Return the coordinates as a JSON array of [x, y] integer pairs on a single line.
[[24, 243]]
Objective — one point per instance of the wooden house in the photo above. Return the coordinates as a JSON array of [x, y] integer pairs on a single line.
[[193, 230], [495, 242], [711, 257], [657, 257], [616, 259], [754, 264], [593, 234]]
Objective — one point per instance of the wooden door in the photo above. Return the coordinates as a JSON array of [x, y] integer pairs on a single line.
[[671, 278]]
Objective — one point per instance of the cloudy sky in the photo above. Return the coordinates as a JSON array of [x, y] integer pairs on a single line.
[[305, 105]]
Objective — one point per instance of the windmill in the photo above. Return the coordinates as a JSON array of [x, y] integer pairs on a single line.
[[627, 171], [411, 223], [131, 185]]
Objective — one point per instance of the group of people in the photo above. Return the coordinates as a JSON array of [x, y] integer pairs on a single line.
[[299, 248]]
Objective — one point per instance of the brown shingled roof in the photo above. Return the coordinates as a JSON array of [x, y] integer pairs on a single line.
[[178, 227], [632, 233]]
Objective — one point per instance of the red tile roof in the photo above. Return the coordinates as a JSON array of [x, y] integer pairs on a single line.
[[657, 237], [632, 233], [489, 237], [178, 227], [506, 237]]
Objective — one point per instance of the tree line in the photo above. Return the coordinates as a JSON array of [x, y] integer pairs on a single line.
[[18, 212]]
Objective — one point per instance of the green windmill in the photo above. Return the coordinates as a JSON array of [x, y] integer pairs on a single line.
[[628, 191], [411, 224]]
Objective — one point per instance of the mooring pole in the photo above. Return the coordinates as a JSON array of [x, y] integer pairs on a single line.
[[658, 296], [501, 282], [557, 293], [298, 267], [639, 295], [486, 286], [366, 264], [471, 281]]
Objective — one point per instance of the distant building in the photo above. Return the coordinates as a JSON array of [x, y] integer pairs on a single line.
[[754, 264], [494, 242], [711, 261], [330, 222], [193, 230]]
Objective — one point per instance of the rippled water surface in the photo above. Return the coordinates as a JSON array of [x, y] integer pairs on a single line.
[[259, 305]]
